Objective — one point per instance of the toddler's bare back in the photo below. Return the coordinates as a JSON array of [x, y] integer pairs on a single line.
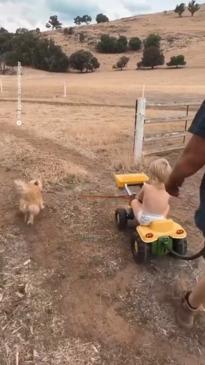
[[155, 200]]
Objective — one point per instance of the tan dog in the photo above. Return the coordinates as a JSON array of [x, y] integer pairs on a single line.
[[31, 200]]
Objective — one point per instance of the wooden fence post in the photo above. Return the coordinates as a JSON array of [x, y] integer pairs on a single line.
[[139, 129], [1, 86], [65, 90]]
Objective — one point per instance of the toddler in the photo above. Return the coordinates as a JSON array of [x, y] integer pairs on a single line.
[[152, 202]]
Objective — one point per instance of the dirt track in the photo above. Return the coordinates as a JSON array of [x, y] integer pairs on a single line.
[[82, 299]]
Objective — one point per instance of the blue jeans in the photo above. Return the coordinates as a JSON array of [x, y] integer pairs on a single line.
[[200, 213]]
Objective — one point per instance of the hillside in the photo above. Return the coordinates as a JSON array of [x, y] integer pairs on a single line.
[[179, 35]]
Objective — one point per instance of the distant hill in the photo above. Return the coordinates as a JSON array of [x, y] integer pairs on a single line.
[[179, 35]]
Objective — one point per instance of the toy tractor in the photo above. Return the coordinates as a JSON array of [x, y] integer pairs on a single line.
[[159, 238]]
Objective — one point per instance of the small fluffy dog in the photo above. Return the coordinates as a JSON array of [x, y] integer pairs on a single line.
[[31, 200]]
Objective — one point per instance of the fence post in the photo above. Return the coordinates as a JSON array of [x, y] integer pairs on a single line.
[[139, 129], [65, 90], [1, 86], [19, 104]]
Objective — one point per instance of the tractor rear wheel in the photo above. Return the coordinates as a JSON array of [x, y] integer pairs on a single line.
[[180, 246], [141, 251]]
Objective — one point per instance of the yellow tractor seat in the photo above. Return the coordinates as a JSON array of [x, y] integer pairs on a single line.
[[161, 228]]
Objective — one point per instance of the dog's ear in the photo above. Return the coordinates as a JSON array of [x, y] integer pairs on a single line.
[[21, 186], [39, 183]]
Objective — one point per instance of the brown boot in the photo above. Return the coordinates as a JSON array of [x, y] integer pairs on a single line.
[[185, 313]]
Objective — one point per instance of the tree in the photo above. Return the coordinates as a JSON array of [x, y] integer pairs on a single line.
[[31, 50], [49, 57], [177, 61], [83, 61], [121, 45], [86, 19], [121, 63], [152, 56], [153, 40], [193, 7], [78, 20], [101, 18], [109, 44], [54, 22], [3, 30], [21, 30], [135, 44], [180, 9]]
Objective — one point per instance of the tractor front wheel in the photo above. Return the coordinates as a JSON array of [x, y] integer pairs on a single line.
[[121, 218], [141, 251]]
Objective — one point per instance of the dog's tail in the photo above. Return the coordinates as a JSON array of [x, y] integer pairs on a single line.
[[21, 186], [34, 209]]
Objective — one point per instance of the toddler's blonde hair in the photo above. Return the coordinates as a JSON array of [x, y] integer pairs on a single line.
[[159, 170]]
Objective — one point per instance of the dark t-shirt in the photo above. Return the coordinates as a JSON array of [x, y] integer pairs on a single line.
[[198, 125]]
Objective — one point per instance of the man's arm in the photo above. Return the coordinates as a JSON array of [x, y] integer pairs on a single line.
[[192, 160]]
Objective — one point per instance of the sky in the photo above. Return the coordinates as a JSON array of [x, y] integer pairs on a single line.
[[32, 14]]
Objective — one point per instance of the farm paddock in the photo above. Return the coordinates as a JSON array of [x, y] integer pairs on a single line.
[[70, 292]]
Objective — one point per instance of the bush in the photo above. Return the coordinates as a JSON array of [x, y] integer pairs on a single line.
[[81, 37], [109, 44], [193, 7], [101, 18], [69, 31], [180, 9], [83, 61], [153, 40], [135, 44], [152, 56], [177, 61], [121, 63]]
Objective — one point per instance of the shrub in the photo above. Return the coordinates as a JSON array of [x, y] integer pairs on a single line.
[[69, 31], [153, 40], [193, 7], [121, 63], [81, 37], [109, 44], [135, 44], [152, 56], [177, 61], [83, 61], [101, 18], [180, 9]]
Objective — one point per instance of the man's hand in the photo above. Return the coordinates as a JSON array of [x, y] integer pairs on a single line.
[[172, 189]]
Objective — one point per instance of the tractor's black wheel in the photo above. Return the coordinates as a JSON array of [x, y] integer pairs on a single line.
[[141, 251], [121, 218], [180, 246]]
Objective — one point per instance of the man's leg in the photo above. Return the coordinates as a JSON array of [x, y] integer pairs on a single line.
[[190, 304]]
